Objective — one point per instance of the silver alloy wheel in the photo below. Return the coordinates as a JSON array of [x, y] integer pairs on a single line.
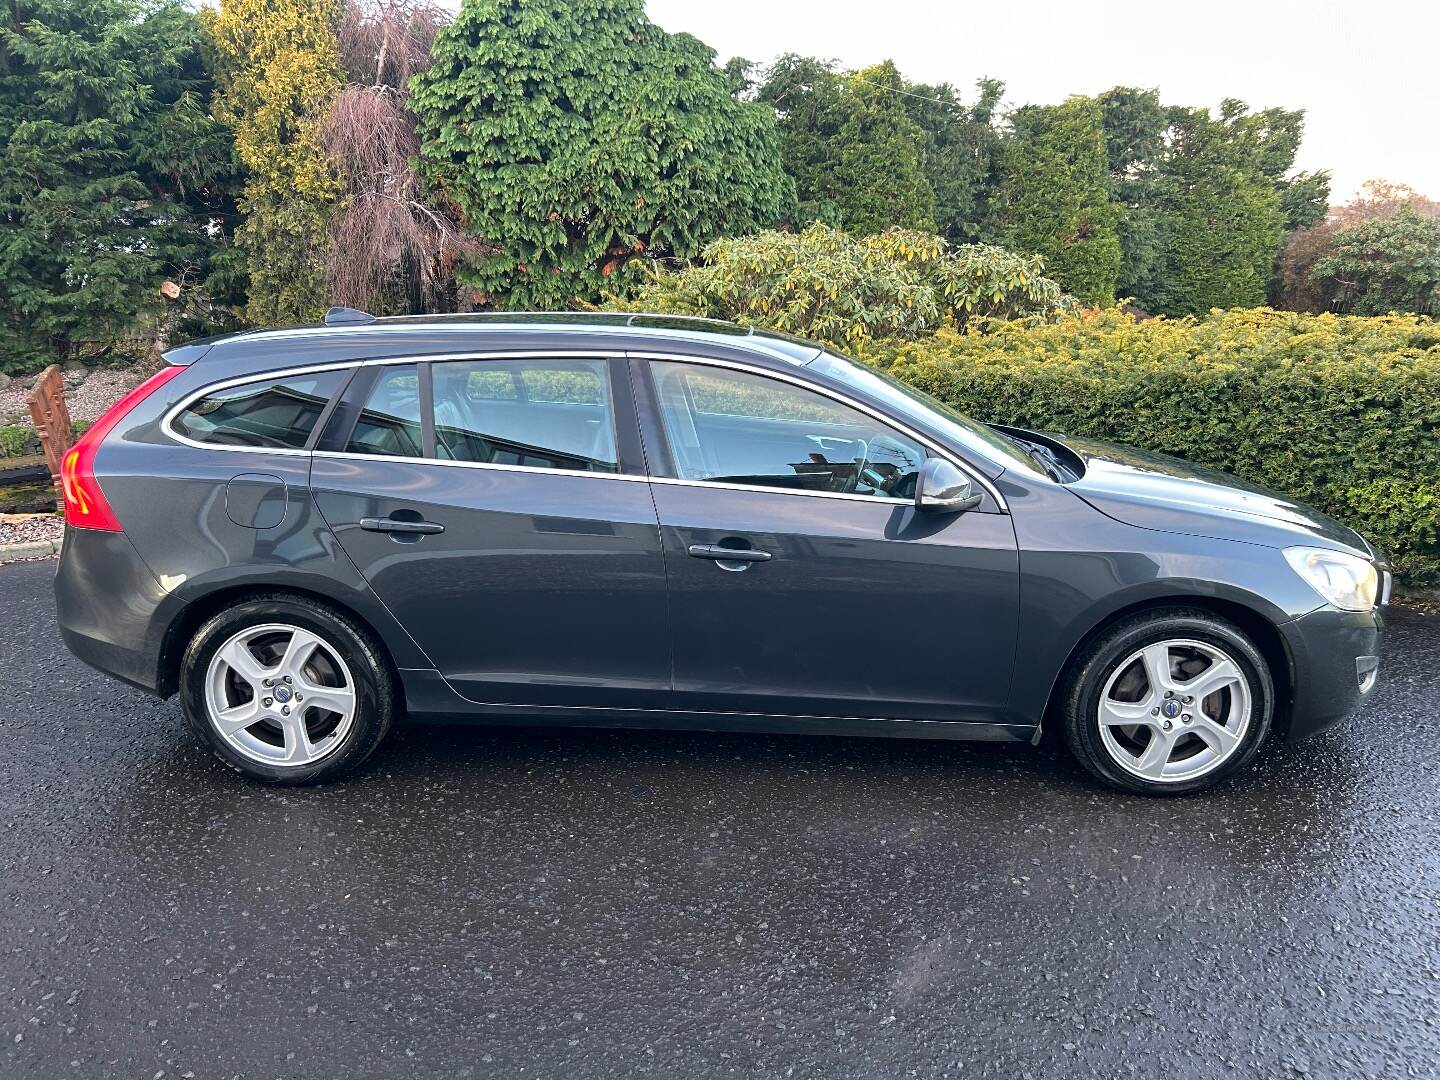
[[1175, 710], [280, 694]]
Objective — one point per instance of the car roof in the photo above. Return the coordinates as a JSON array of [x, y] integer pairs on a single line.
[[355, 335]]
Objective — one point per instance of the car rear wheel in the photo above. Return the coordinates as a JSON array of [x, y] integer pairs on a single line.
[[1168, 702], [286, 690]]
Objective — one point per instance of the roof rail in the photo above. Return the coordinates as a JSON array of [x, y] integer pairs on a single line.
[[347, 316]]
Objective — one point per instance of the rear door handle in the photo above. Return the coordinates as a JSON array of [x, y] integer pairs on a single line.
[[728, 554], [396, 525]]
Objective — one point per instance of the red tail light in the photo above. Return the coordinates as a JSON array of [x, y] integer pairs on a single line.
[[85, 504]]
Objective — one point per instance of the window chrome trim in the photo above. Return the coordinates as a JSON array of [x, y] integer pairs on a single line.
[[631, 477], [166, 422], [347, 455], [823, 391]]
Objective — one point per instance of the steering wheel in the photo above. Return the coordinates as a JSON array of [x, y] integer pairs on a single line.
[[872, 476]]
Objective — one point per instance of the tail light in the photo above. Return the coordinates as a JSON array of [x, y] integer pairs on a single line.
[[85, 504]]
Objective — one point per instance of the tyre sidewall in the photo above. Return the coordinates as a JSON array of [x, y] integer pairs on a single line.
[[1083, 705], [373, 694]]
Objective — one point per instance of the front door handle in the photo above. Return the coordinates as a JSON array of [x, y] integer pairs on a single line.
[[397, 525], [728, 554]]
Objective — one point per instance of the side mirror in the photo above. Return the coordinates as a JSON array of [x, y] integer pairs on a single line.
[[944, 489]]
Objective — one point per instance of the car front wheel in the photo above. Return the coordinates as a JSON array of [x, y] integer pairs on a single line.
[[1168, 702], [286, 690]]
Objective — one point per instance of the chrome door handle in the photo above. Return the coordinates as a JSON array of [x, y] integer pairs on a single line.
[[397, 525], [728, 554]]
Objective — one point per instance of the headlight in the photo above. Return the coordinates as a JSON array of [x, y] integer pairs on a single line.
[[1347, 581]]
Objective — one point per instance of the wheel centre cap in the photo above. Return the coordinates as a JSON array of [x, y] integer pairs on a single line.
[[283, 693], [1170, 710]]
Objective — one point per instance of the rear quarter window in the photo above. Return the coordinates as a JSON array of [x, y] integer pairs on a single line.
[[277, 414]]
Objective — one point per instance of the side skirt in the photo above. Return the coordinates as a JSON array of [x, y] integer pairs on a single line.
[[430, 699]]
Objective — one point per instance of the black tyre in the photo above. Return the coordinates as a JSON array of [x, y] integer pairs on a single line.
[[286, 689], [1168, 702]]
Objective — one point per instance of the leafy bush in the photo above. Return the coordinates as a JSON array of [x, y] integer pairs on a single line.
[[18, 440], [827, 285], [1341, 412], [22, 440]]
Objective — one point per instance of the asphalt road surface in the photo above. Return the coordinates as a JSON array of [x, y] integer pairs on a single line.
[[569, 904]]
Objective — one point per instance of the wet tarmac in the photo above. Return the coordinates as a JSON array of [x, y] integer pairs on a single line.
[[501, 902]]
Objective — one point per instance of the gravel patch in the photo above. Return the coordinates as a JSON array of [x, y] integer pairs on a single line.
[[87, 393], [26, 528]]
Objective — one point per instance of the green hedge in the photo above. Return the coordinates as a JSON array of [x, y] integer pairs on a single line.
[[1336, 411]]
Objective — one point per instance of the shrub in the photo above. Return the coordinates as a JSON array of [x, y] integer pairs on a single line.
[[18, 440], [22, 440], [1341, 412], [827, 285]]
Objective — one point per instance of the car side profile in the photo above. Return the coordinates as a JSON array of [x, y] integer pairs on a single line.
[[648, 521]]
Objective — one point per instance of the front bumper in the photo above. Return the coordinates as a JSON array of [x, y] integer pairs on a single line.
[[1335, 664]]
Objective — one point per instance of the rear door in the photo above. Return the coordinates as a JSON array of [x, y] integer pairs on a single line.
[[498, 507], [803, 581]]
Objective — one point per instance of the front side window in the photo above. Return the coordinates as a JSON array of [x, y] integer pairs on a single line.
[[389, 422], [737, 428], [265, 414], [546, 414]]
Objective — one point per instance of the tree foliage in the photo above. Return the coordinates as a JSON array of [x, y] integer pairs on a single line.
[[827, 285], [1217, 189], [1388, 264], [1135, 122], [1204, 202], [960, 150], [111, 172], [577, 136], [1298, 288], [278, 69], [1054, 198], [846, 138]]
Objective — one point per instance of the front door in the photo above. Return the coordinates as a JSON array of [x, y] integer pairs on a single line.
[[490, 505], [803, 582]]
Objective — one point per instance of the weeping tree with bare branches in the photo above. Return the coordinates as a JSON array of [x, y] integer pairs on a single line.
[[394, 247]]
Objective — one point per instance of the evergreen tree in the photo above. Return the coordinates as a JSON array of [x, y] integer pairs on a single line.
[[577, 135], [856, 155], [111, 173], [1223, 218], [960, 149], [1134, 122], [1055, 200], [278, 69]]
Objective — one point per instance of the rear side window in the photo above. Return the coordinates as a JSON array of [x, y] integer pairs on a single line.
[[546, 414], [389, 423], [266, 414]]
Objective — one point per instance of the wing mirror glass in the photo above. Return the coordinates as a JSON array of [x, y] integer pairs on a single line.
[[944, 489]]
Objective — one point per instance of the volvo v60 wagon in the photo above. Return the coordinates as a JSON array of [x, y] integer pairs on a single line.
[[644, 521]]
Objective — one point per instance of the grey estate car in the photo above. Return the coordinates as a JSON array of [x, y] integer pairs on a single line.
[[646, 521]]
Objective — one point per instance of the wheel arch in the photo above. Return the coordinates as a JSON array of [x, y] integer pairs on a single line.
[[192, 616], [1255, 625]]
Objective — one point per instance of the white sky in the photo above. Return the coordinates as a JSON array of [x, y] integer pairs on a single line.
[[1366, 74]]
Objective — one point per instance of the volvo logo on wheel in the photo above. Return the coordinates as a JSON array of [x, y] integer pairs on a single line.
[[284, 694], [1170, 710]]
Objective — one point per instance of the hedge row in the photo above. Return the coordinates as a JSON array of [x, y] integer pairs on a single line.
[[1336, 411]]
